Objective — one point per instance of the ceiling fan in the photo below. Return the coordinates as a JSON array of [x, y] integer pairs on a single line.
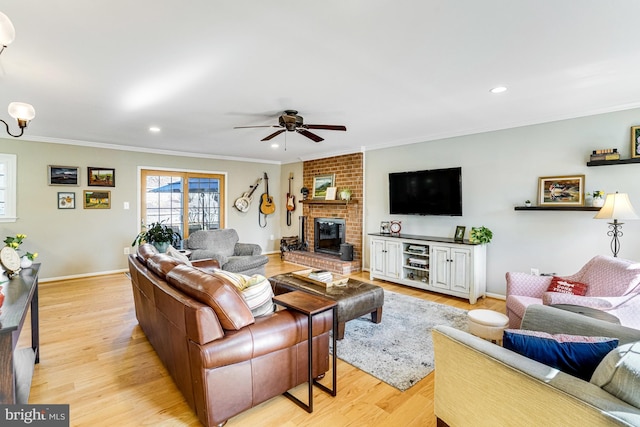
[[291, 121]]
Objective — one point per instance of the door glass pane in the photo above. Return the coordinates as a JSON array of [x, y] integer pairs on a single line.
[[164, 201], [204, 203]]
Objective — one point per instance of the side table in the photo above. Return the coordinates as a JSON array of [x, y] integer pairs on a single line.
[[310, 305]]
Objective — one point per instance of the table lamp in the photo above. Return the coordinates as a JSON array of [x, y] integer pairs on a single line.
[[617, 207]]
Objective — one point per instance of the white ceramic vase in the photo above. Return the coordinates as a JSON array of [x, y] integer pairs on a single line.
[[25, 262]]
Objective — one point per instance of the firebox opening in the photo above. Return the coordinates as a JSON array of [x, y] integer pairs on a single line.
[[329, 234]]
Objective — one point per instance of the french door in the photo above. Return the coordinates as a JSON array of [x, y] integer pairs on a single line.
[[186, 201]]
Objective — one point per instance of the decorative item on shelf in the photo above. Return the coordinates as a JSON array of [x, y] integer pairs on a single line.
[[635, 141], [305, 193], [459, 236], [345, 193], [605, 154], [597, 198], [331, 193], [159, 235], [395, 228], [561, 190], [385, 227], [480, 235], [320, 185], [617, 206], [527, 203], [12, 261]]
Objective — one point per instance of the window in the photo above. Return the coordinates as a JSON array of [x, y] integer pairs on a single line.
[[186, 201], [8, 167]]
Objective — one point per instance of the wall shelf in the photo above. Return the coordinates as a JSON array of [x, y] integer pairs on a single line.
[[557, 208], [614, 162], [328, 202]]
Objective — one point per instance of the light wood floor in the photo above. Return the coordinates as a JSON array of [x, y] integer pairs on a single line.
[[94, 356]]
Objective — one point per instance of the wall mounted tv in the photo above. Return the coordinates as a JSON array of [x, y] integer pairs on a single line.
[[427, 192]]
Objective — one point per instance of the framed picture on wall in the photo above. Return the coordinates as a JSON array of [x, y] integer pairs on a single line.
[[63, 175], [97, 199], [635, 141], [561, 190], [66, 200], [101, 177], [320, 185]]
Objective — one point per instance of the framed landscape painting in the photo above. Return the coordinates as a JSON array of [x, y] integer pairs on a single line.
[[320, 185], [561, 190], [97, 199], [63, 175], [101, 177]]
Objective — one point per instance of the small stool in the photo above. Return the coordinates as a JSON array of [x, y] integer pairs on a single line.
[[487, 324]]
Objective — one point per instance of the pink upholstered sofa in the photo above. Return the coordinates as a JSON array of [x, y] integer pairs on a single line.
[[613, 287]]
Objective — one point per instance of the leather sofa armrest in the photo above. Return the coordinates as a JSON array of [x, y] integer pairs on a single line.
[[247, 249]]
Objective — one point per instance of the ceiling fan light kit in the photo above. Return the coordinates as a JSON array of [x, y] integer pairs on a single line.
[[292, 122]]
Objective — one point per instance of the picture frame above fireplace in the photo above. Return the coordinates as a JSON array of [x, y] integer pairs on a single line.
[[320, 185]]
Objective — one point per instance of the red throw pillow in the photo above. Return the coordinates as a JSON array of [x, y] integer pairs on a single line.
[[558, 284]]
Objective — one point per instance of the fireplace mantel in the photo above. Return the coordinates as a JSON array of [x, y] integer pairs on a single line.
[[328, 202]]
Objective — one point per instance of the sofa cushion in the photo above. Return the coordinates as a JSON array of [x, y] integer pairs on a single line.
[[162, 264], [573, 354], [233, 313], [256, 291], [619, 373], [558, 284], [145, 251]]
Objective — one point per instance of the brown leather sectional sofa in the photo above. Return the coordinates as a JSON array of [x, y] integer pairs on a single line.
[[222, 359]]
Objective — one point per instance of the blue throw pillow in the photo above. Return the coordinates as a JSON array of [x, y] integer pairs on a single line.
[[573, 354]]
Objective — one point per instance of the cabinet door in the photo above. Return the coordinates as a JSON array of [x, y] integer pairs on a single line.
[[440, 267], [378, 256], [460, 269], [393, 258]]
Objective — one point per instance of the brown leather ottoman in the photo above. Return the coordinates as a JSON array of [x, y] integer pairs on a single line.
[[354, 299]]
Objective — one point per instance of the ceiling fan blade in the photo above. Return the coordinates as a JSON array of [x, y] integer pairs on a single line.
[[276, 133], [326, 127], [309, 135], [247, 127]]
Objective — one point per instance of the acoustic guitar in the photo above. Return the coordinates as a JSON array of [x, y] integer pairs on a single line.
[[267, 205], [242, 203]]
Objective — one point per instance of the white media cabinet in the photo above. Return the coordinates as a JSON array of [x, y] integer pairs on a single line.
[[438, 264]]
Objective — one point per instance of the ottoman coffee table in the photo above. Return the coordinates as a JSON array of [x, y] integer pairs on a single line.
[[355, 298]]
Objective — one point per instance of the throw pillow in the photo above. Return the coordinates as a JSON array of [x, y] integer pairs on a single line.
[[174, 253], [573, 354], [256, 291], [619, 373], [558, 284]]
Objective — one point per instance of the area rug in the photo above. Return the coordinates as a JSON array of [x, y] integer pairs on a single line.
[[399, 350]]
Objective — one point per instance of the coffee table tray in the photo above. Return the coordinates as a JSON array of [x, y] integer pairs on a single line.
[[337, 280]]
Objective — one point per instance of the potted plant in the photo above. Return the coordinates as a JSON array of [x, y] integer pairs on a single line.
[[480, 235], [158, 234], [345, 193], [527, 203]]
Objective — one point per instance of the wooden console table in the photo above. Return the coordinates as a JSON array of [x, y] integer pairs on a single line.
[[16, 365]]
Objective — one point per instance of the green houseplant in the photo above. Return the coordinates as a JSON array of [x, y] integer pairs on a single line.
[[345, 193], [158, 234], [480, 235]]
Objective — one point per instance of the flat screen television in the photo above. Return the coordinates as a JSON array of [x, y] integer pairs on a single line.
[[427, 192]]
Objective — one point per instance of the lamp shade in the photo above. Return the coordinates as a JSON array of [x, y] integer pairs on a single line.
[[21, 111], [617, 206], [7, 31]]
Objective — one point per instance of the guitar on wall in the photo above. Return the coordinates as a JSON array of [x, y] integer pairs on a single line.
[[242, 203], [291, 201], [267, 205]]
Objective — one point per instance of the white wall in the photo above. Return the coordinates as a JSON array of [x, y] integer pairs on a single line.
[[79, 241], [499, 171]]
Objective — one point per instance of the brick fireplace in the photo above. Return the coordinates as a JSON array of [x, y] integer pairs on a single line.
[[348, 171]]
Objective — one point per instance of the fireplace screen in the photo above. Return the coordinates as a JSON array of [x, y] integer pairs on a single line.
[[329, 235]]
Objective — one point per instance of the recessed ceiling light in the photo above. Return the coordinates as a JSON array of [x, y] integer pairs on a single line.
[[154, 129], [275, 145], [498, 89]]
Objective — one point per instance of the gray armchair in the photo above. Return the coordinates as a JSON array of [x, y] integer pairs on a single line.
[[223, 246]]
